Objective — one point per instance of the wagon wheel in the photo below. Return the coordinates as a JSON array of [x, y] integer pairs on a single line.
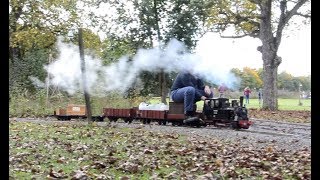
[[65, 118], [110, 119], [101, 119], [144, 121], [148, 121], [114, 119], [128, 120], [162, 122]]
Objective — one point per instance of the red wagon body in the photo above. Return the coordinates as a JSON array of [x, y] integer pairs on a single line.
[[114, 114], [152, 114]]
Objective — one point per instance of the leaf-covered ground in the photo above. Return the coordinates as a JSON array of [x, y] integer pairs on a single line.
[[283, 115], [69, 151]]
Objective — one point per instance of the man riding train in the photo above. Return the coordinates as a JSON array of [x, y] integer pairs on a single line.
[[189, 88]]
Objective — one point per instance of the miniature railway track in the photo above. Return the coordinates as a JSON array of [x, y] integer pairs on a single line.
[[283, 128], [279, 122]]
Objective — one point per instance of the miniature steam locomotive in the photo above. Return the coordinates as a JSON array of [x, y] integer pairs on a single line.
[[216, 111]]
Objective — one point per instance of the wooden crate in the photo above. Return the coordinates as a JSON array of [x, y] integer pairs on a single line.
[[76, 110], [60, 111], [176, 108]]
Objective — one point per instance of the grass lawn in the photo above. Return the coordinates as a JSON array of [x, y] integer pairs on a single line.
[[284, 104]]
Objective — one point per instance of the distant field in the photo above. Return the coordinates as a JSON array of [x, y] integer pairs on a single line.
[[284, 104]]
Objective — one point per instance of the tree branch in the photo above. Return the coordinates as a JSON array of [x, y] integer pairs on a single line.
[[285, 17], [303, 15], [255, 1], [294, 10], [236, 37]]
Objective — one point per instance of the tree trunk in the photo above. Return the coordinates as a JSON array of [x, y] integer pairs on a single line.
[[270, 59], [14, 56], [164, 89], [270, 87], [162, 75]]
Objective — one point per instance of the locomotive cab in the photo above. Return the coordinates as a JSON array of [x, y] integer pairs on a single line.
[[218, 108], [219, 111]]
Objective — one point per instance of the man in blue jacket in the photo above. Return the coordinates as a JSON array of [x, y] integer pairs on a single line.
[[189, 89]]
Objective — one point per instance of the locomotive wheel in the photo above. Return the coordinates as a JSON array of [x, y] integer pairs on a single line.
[[235, 125]]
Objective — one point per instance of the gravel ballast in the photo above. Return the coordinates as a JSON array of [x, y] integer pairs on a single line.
[[263, 133]]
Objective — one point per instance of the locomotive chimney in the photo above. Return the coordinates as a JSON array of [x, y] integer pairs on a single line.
[[241, 101]]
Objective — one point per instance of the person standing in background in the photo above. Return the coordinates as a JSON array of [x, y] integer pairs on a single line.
[[222, 89], [260, 96], [247, 93]]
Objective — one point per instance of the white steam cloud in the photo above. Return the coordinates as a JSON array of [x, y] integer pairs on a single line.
[[65, 71], [36, 82]]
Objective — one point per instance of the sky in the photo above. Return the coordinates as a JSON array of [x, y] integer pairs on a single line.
[[295, 50]]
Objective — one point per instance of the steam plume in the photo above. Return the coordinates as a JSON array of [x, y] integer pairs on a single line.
[[66, 74]]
